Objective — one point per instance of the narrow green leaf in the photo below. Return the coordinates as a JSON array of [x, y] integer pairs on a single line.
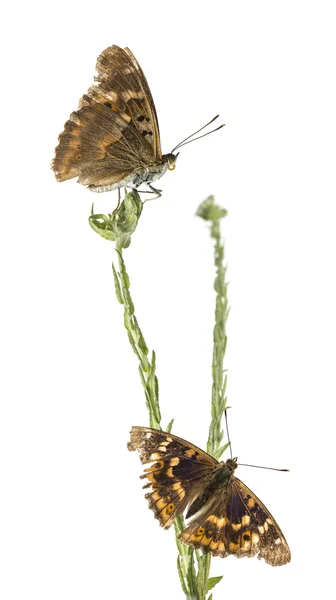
[[128, 323], [179, 545], [117, 286], [179, 525], [221, 450], [141, 340], [170, 426], [181, 576], [192, 577], [207, 563], [127, 299], [212, 581], [200, 574]]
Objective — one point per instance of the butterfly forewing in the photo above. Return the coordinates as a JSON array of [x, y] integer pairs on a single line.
[[177, 473], [121, 77], [227, 518], [151, 111]]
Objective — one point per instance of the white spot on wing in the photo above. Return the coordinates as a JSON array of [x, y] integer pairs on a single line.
[[255, 538], [155, 456]]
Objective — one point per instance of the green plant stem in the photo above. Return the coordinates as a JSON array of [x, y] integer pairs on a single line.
[[147, 366], [195, 583], [219, 376], [209, 211]]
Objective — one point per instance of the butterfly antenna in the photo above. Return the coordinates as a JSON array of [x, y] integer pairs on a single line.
[[227, 432], [258, 467], [184, 142]]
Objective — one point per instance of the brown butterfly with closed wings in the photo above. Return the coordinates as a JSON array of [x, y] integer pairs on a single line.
[[113, 139], [228, 517]]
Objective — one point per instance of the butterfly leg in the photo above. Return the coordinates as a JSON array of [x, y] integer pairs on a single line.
[[154, 190], [151, 191]]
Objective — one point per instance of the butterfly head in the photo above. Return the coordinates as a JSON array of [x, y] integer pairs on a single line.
[[170, 160], [230, 464]]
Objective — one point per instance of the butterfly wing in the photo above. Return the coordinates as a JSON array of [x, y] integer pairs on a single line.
[[150, 106], [115, 131], [236, 522], [178, 472]]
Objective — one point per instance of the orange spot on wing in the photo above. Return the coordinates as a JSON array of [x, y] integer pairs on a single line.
[[190, 453], [233, 547]]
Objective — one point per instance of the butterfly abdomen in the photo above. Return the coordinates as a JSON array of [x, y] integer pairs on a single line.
[[149, 174]]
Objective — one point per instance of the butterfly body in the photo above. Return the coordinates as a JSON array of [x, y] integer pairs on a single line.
[[219, 477], [142, 175], [113, 138], [228, 519], [153, 172]]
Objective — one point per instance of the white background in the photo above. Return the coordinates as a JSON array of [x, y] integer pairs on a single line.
[[74, 523]]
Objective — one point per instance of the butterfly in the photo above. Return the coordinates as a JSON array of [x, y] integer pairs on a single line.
[[113, 139], [228, 519]]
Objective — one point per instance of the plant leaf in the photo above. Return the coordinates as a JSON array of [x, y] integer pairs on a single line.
[[170, 426], [212, 581]]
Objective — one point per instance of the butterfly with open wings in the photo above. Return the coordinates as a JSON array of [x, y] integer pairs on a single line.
[[228, 517]]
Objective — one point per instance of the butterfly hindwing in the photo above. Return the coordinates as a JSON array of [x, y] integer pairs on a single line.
[[236, 522], [178, 471], [114, 133]]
